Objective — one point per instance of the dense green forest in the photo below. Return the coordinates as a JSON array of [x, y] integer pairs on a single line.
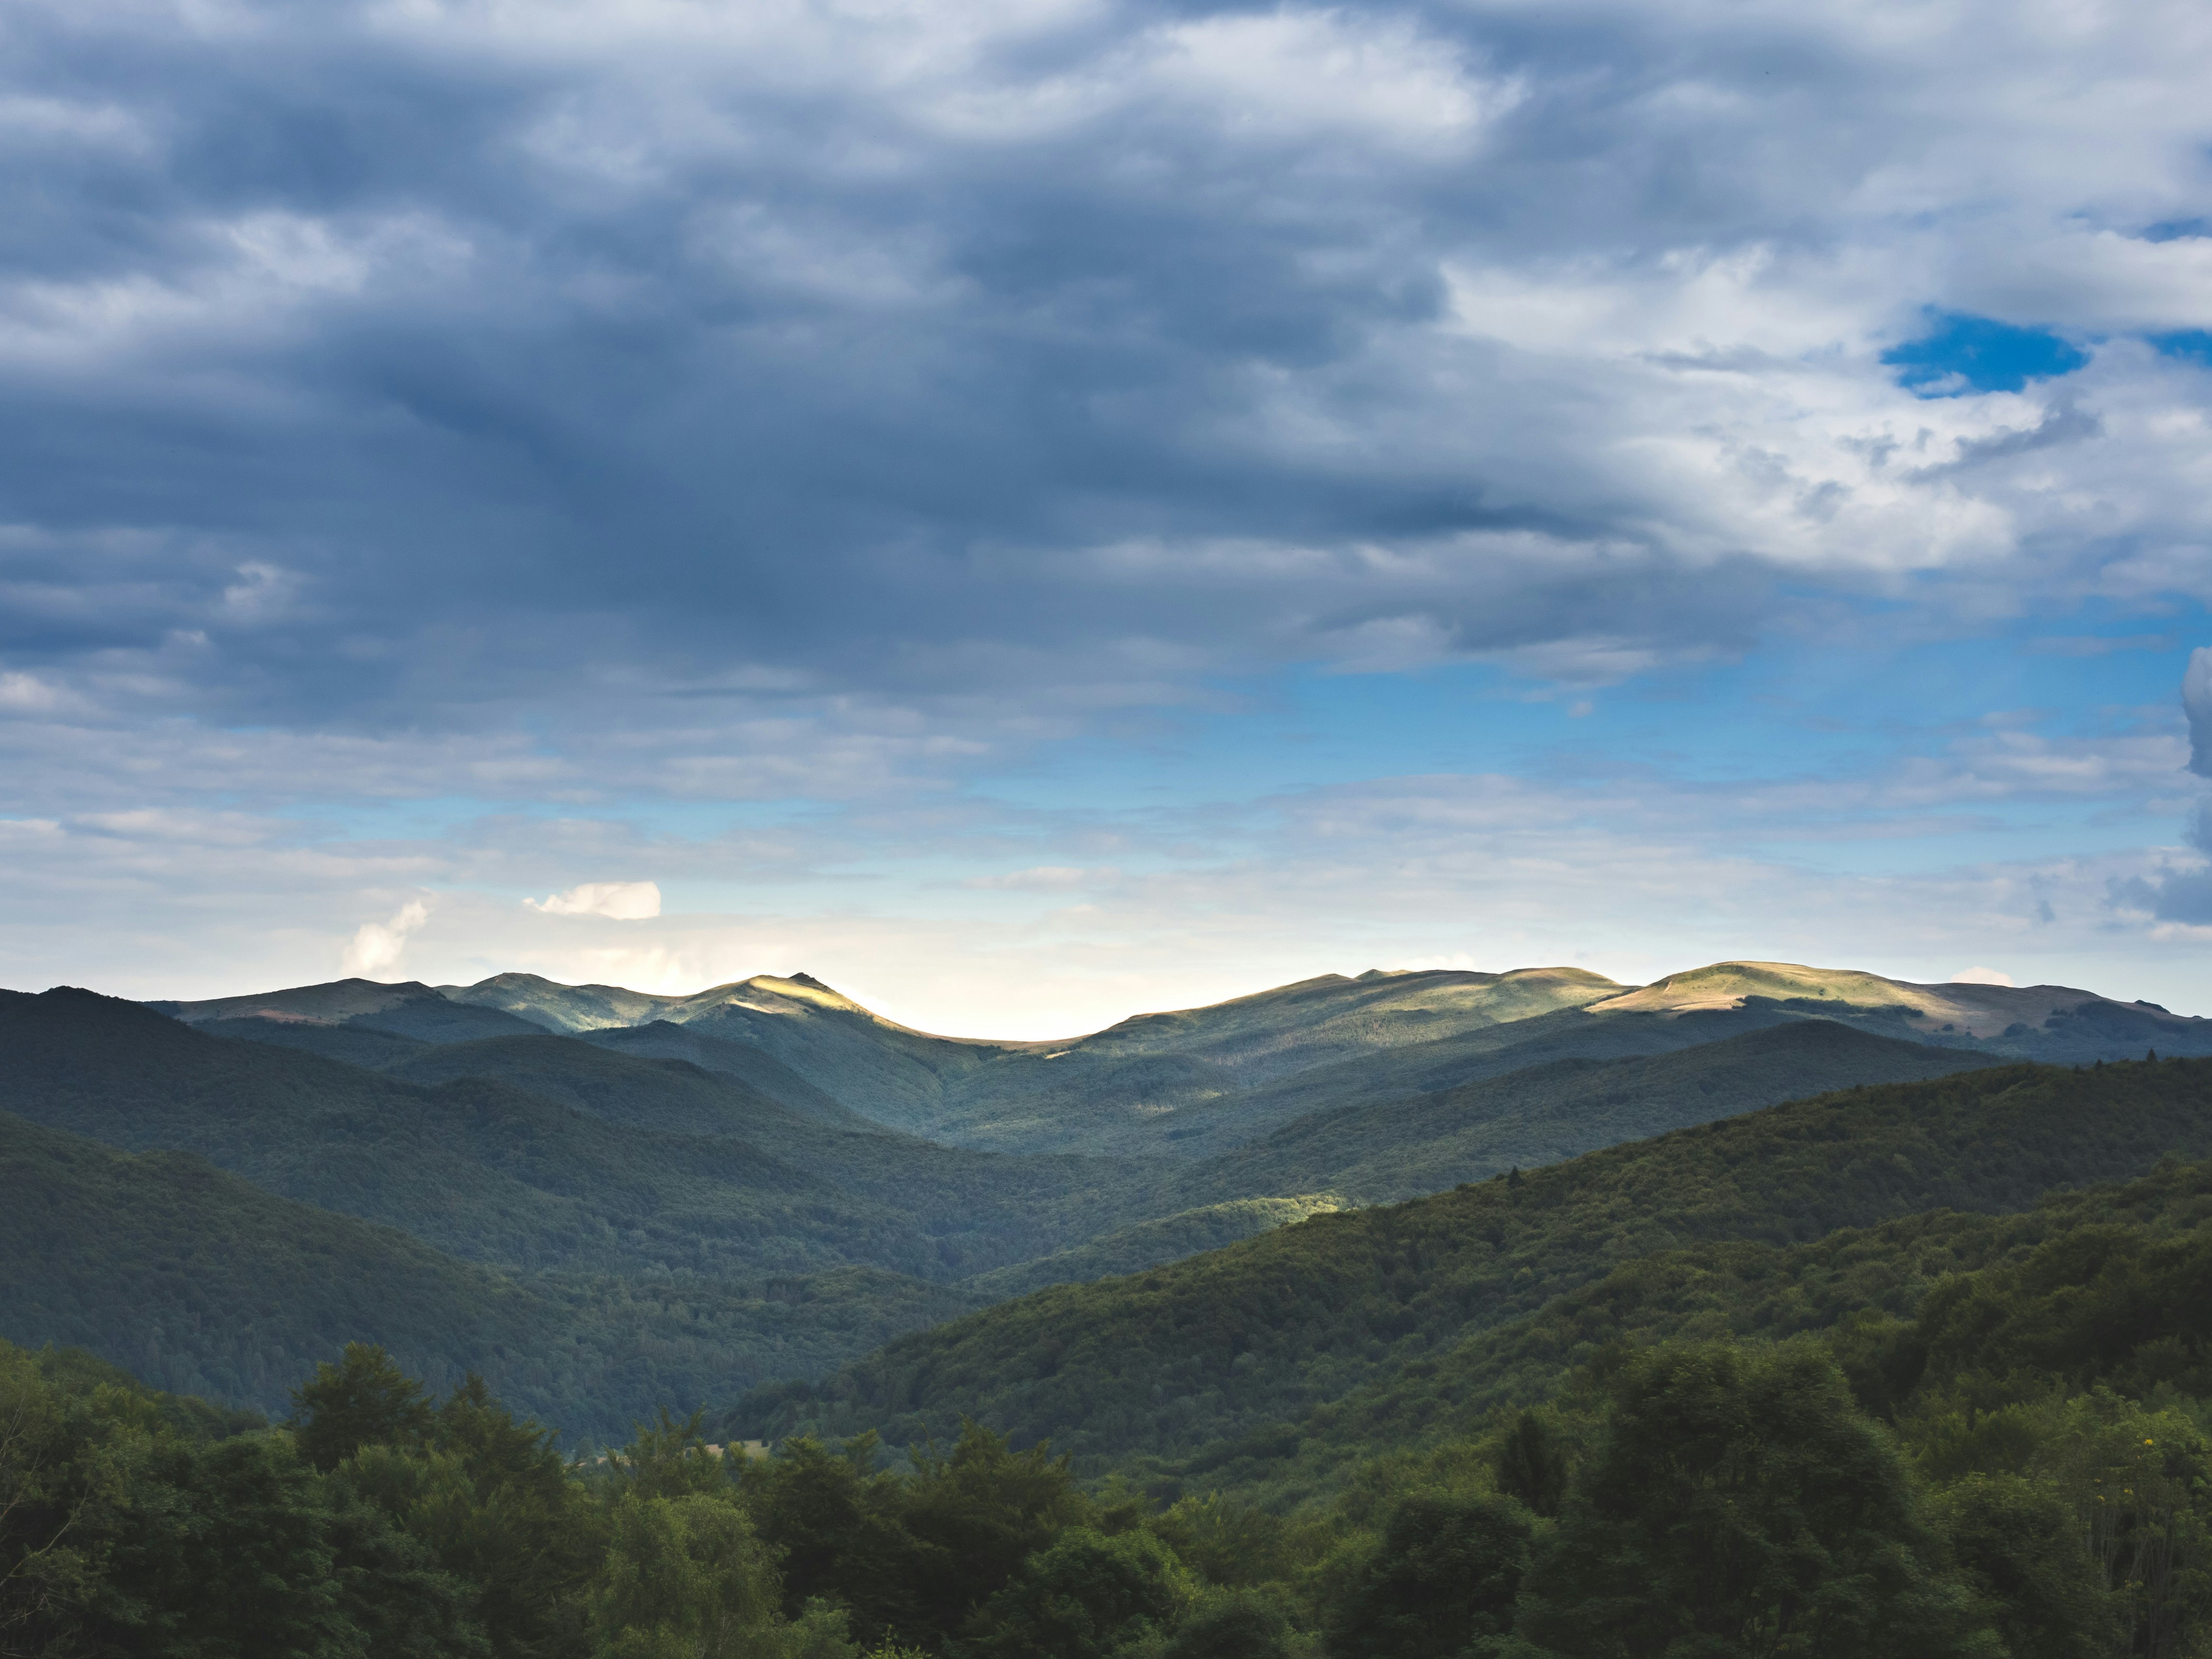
[[1916, 1361], [1543, 1114], [1221, 1356], [496, 1171], [200, 1282], [1965, 1435], [638, 1214]]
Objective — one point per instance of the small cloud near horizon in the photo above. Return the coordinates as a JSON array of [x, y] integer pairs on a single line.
[[376, 946], [618, 900]]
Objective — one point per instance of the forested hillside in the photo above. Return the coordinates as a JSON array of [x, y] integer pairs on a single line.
[[199, 1282], [1934, 1288], [1191, 1360], [1976, 1438], [664, 1210], [482, 1167], [1545, 1113]]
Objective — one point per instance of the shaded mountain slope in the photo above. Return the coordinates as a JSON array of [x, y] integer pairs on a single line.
[[406, 1010], [488, 1170], [661, 1040], [348, 1044], [1217, 1346], [642, 1093], [1448, 1062], [1143, 1084], [1148, 1244], [196, 1280], [333, 1003], [881, 1069], [1546, 1113], [1028, 1203]]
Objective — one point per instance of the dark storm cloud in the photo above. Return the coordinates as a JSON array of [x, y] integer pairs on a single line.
[[397, 366]]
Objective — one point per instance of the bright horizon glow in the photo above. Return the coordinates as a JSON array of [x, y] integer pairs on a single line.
[[1040, 1025]]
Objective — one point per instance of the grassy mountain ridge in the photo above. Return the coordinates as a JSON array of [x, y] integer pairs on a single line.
[[1195, 1082], [1115, 1090], [885, 1071], [1272, 1033], [1215, 1347]]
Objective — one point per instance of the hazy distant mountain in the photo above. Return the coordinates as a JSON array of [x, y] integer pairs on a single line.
[[1196, 1082]]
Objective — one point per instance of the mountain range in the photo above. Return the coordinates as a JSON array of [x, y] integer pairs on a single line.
[[607, 1199]]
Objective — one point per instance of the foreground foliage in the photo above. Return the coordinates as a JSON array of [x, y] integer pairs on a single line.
[[1973, 1437]]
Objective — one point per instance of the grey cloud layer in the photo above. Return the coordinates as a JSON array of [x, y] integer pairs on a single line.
[[407, 368]]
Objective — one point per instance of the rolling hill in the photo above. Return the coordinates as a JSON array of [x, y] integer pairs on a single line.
[[197, 1281], [1195, 1358], [1542, 1114], [485, 1168], [754, 1130], [1196, 1082]]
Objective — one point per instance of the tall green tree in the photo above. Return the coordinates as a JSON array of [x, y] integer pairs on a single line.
[[1443, 1576], [984, 1510], [364, 1400], [1740, 1507], [225, 1550], [2018, 1545], [56, 1488], [1087, 1597], [1236, 1623], [838, 1526]]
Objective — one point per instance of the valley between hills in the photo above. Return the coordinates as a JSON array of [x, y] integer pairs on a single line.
[[1317, 1321], [604, 1200]]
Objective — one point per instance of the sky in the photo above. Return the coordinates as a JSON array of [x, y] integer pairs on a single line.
[[1036, 510]]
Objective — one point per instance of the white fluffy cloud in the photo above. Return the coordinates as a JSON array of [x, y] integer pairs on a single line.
[[376, 946], [618, 900]]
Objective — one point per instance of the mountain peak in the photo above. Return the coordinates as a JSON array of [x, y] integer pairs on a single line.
[[330, 1003]]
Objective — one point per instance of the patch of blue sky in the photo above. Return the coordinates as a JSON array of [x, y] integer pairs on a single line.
[[1791, 712], [1961, 354], [2194, 343], [1783, 710]]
